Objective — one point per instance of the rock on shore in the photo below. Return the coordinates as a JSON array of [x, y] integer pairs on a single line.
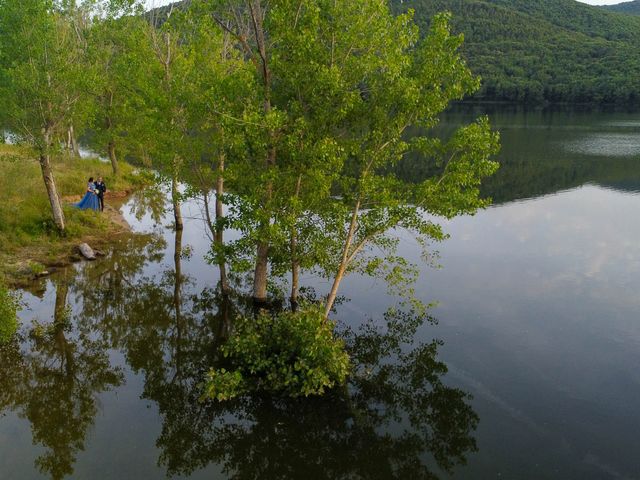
[[86, 251]]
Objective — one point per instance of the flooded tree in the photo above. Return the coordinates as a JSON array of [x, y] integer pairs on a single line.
[[337, 87]]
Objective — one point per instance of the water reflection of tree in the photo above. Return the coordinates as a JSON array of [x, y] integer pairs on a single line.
[[53, 378], [381, 426], [395, 414], [104, 287], [395, 419], [533, 162], [149, 201]]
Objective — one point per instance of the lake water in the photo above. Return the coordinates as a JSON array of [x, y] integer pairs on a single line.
[[538, 324]]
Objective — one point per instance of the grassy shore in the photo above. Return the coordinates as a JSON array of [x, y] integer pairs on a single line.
[[29, 242]]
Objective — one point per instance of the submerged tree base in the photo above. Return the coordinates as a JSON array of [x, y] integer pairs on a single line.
[[294, 353]]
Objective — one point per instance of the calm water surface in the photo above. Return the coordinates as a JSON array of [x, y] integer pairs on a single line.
[[537, 320]]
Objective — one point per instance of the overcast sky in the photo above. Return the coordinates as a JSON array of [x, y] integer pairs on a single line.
[[600, 2], [157, 3]]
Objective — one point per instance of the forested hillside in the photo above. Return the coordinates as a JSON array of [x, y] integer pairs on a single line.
[[632, 8], [544, 50]]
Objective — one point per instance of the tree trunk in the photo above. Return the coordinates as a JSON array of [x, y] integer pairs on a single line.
[[295, 275], [73, 142], [111, 148], [261, 271], [217, 228], [295, 262], [342, 268], [175, 198], [262, 248], [50, 184], [219, 234], [260, 274], [67, 143]]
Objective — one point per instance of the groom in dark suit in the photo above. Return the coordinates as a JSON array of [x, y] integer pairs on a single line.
[[101, 188]]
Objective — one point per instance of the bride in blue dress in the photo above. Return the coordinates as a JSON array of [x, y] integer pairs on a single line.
[[90, 199]]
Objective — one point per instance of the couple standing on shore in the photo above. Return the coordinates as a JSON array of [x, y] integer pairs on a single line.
[[94, 198]]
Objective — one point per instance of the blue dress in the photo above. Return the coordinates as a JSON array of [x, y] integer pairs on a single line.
[[90, 199]]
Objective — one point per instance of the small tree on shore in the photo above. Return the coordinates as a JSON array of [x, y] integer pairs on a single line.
[[41, 81]]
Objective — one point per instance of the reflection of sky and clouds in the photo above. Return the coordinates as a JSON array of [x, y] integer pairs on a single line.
[[539, 303], [606, 144]]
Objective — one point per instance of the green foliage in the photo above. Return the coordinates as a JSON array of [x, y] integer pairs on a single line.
[[295, 353], [42, 77], [8, 314], [118, 54], [543, 50], [346, 83]]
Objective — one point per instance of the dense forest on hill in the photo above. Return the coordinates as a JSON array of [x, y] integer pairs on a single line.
[[632, 8], [544, 50], [540, 51]]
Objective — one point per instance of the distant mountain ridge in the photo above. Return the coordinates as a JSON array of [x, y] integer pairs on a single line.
[[631, 8], [536, 51], [541, 51]]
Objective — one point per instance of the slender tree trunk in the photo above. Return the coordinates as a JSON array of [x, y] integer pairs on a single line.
[[67, 143], [175, 197], [342, 268], [295, 273], [261, 271], [217, 228], [295, 261], [219, 234], [50, 184], [261, 274], [111, 148], [73, 142]]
